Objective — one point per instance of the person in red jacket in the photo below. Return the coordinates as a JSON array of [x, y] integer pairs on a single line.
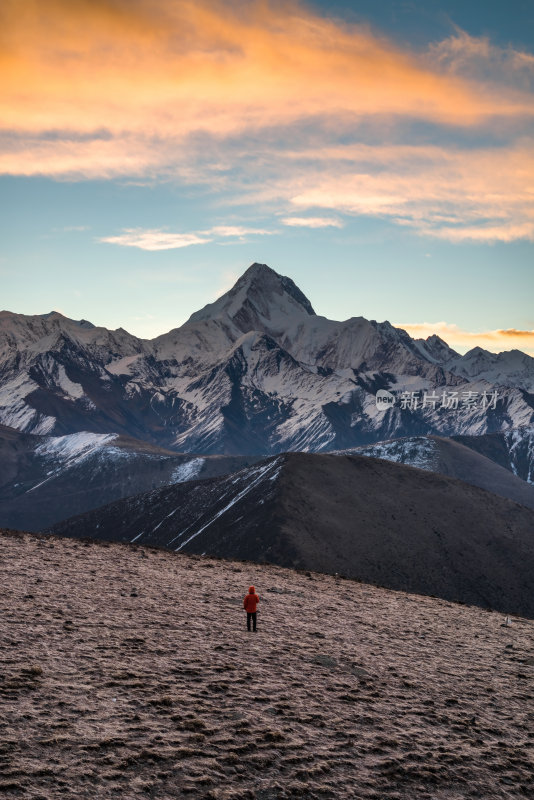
[[250, 604]]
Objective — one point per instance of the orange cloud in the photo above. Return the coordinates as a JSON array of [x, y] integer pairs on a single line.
[[515, 333], [483, 195], [145, 88], [161, 68], [461, 340]]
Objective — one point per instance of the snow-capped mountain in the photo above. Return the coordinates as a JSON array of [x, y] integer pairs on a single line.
[[513, 449], [257, 371], [434, 349], [51, 366], [511, 368]]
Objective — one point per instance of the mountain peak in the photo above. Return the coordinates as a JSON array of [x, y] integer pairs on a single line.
[[266, 278], [436, 349], [476, 352], [257, 270], [261, 299]]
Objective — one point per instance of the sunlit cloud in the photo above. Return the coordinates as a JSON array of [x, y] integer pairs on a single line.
[[481, 59], [484, 195], [508, 232], [154, 239], [157, 89], [158, 67], [238, 231], [158, 239], [312, 222], [462, 340]]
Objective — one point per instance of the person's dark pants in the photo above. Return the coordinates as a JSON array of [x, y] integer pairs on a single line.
[[251, 615]]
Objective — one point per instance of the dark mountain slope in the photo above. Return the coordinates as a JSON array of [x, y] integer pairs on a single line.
[[465, 463], [369, 519], [451, 457], [404, 528], [512, 449], [45, 479]]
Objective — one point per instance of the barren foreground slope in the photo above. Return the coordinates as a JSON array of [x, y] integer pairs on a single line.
[[128, 672]]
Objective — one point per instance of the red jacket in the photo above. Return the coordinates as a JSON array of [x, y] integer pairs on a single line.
[[251, 600]]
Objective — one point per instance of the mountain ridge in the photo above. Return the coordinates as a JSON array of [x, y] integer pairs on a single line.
[[255, 276], [45, 479], [456, 459], [295, 381], [369, 519]]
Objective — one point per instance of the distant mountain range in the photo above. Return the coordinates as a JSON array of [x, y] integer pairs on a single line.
[[46, 479], [365, 518], [255, 372], [451, 457]]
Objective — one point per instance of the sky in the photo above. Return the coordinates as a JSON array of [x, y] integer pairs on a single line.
[[378, 152]]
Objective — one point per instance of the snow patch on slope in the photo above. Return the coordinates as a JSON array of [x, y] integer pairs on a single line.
[[16, 412], [255, 475], [416, 451], [65, 452], [71, 389], [520, 445], [187, 471], [123, 366], [74, 446]]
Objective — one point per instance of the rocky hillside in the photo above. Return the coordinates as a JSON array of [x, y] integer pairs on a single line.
[[127, 672], [370, 519]]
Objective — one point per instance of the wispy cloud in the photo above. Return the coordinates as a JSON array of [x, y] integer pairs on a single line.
[[312, 222], [159, 239], [71, 229], [462, 54], [506, 232], [238, 231], [494, 340], [154, 239], [159, 67], [483, 195]]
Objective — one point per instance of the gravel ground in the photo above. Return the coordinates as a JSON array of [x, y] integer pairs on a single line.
[[128, 673]]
